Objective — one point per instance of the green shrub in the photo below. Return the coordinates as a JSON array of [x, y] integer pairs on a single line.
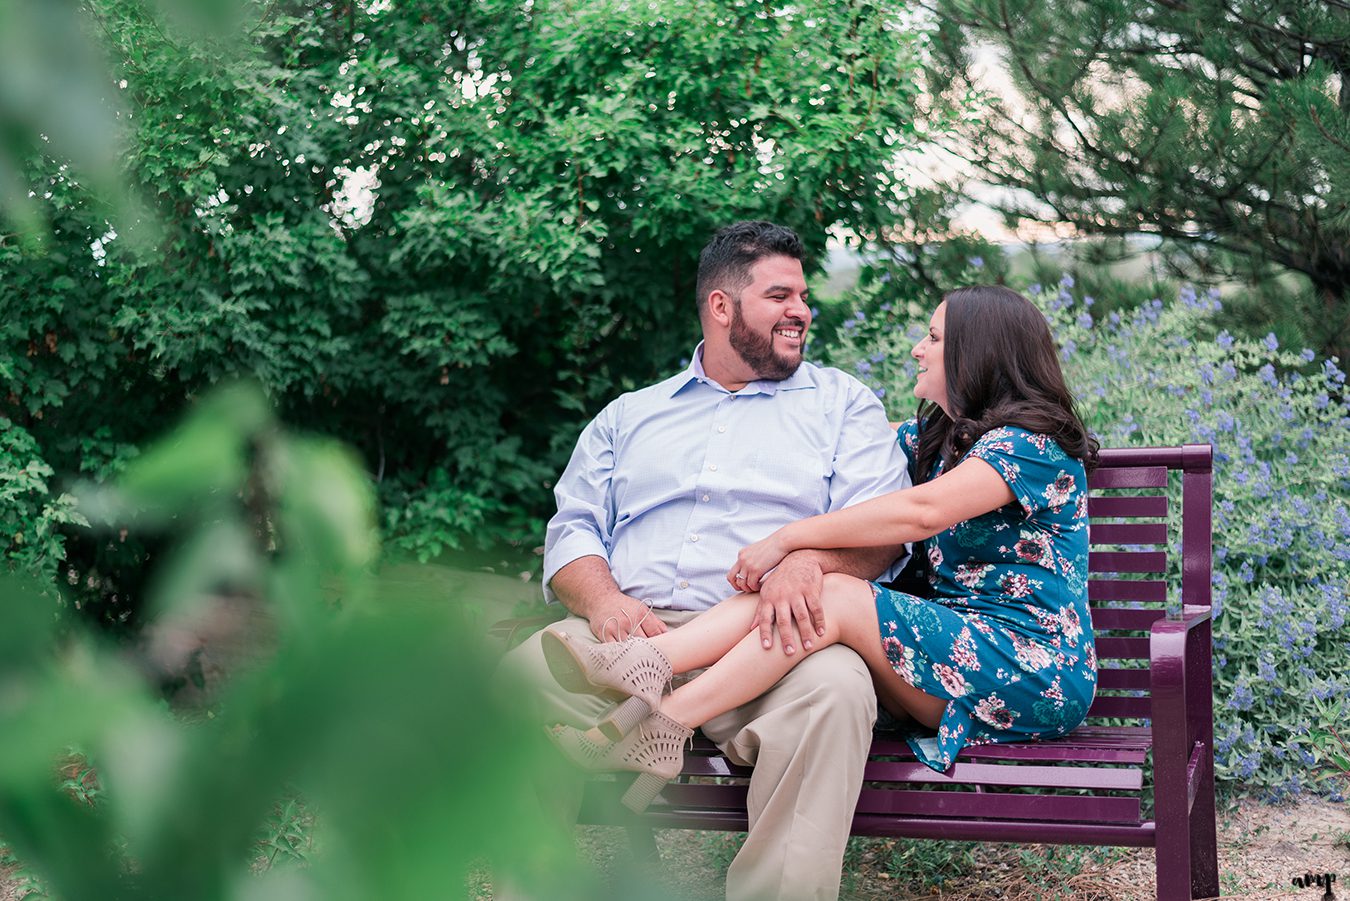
[[31, 511], [1167, 373]]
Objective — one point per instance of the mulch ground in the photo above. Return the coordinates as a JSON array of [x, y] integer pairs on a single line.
[[1261, 849]]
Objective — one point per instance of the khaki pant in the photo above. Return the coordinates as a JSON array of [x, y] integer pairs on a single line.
[[807, 738]]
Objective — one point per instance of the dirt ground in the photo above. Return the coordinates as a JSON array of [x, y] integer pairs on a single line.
[[1261, 849]]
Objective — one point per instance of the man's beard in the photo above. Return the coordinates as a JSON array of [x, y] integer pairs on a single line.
[[757, 352]]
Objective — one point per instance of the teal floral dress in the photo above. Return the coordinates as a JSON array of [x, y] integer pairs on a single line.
[[1007, 637]]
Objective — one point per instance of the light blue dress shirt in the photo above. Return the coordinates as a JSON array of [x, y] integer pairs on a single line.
[[668, 483]]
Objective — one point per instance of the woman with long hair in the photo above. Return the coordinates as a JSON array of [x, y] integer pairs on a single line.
[[1001, 651]]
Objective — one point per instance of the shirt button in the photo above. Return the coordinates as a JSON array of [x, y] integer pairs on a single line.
[[693, 538], [705, 498], [684, 584], [721, 428], [713, 467]]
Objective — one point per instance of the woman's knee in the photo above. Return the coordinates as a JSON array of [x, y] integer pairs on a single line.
[[846, 593]]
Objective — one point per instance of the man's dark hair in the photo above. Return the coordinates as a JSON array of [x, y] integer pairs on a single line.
[[724, 264]]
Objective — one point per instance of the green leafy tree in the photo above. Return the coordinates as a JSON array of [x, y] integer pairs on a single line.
[[1222, 127], [443, 231]]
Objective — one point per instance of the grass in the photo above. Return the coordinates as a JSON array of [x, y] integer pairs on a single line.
[[287, 836]]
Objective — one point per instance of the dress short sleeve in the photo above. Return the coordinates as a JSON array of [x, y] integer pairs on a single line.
[[1039, 473]]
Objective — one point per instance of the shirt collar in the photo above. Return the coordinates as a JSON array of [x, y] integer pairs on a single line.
[[695, 373]]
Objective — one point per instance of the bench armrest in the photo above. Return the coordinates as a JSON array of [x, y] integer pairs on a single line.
[[1167, 650], [1191, 616]]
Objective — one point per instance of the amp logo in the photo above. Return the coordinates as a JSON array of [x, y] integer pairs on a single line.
[[1320, 880]]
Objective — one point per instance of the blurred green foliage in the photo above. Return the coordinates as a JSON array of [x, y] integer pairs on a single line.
[[380, 715], [443, 231]]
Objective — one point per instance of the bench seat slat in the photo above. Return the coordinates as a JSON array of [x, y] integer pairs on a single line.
[[1127, 561], [1146, 590], [1089, 742], [1051, 752], [1088, 736], [999, 805], [1096, 808], [1133, 835], [1128, 533], [1127, 506], [1092, 778]]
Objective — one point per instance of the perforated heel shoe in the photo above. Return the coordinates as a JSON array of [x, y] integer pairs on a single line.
[[654, 750], [633, 670]]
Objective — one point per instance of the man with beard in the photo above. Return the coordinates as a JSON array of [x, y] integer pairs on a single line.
[[668, 483]]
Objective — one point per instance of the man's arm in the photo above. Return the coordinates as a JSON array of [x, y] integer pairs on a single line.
[[863, 562], [868, 462], [587, 588], [792, 593]]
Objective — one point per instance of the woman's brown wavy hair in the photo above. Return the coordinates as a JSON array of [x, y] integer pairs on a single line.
[[1002, 369]]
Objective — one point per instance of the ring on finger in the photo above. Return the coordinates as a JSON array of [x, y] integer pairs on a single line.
[[740, 577]]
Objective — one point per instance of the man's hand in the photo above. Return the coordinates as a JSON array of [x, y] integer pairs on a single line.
[[619, 616], [587, 588], [790, 599]]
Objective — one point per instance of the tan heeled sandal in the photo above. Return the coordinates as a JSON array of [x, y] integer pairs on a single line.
[[654, 750], [633, 670]]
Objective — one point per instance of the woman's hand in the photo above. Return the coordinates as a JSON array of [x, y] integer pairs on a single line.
[[755, 560]]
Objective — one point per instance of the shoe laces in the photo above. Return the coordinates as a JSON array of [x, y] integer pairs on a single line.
[[632, 626]]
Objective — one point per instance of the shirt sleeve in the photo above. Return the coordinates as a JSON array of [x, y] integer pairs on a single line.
[[584, 523], [868, 461], [1033, 466]]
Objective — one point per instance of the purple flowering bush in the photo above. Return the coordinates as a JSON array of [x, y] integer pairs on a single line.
[[1279, 420]]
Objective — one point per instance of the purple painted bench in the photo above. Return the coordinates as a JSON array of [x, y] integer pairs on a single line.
[[1091, 786]]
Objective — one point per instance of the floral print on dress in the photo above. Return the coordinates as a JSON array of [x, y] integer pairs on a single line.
[[1007, 638]]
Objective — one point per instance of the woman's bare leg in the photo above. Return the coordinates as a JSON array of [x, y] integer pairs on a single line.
[[743, 669], [706, 638]]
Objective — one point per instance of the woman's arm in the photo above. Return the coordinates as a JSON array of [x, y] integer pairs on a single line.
[[971, 489]]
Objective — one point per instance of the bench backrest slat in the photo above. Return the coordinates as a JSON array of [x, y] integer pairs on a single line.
[[1105, 619], [1142, 533], [1143, 505], [1147, 590], [1107, 705], [1113, 647], [1128, 477], [1121, 679], [1127, 561]]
